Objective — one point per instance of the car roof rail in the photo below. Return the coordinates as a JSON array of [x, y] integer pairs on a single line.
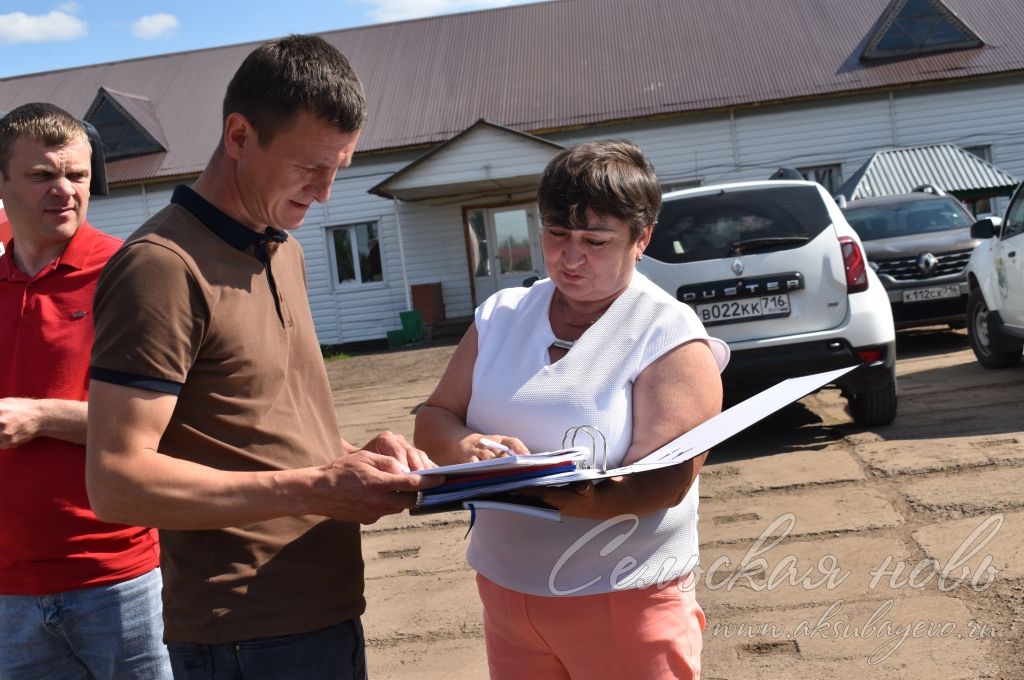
[[840, 200], [786, 173], [929, 189]]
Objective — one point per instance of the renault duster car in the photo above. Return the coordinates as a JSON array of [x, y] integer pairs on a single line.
[[773, 268]]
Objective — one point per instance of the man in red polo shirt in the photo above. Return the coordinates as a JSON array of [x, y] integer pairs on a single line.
[[78, 597]]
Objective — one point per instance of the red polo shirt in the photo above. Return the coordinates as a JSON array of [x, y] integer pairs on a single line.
[[5, 231], [50, 541]]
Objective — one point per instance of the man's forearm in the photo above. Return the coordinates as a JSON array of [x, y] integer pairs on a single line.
[[65, 420], [152, 489]]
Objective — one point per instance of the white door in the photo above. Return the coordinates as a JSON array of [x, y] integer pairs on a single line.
[[506, 249], [1010, 263]]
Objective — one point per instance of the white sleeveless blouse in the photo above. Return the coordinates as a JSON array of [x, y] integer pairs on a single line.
[[518, 392]]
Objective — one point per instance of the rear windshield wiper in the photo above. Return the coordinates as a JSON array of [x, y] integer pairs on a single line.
[[751, 245]]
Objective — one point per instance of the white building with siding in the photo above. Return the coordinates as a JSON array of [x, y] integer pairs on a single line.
[[453, 204]]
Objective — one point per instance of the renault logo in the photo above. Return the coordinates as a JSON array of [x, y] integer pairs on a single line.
[[737, 266], [926, 263]]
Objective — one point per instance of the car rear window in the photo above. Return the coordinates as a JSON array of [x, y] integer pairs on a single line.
[[713, 226], [904, 218]]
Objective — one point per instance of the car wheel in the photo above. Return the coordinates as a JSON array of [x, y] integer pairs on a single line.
[[874, 408], [982, 336]]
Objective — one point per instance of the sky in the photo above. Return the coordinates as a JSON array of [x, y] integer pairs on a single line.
[[44, 35]]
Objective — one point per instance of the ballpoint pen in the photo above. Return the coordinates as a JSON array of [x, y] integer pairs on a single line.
[[491, 444]]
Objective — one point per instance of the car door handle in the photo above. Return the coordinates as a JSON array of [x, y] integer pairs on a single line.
[[1012, 253]]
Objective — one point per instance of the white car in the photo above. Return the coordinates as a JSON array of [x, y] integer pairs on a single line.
[[995, 276], [773, 268]]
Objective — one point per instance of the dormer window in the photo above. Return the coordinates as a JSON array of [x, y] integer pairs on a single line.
[[127, 124], [915, 27]]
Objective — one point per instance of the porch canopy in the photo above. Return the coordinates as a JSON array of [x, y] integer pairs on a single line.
[[481, 161], [946, 166]]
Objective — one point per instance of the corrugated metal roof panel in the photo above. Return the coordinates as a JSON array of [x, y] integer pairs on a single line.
[[556, 65], [139, 168], [947, 166]]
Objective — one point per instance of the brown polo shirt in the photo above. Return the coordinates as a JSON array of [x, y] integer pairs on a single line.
[[197, 305]]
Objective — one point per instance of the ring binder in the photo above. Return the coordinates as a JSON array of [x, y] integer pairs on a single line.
[[589, 430], [681, 449]]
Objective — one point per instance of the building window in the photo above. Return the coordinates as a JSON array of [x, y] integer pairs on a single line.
[[982, 151], [356, 254], [828, 176]]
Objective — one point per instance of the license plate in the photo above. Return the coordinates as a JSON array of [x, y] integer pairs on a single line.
[[746, 309], [933, 293]]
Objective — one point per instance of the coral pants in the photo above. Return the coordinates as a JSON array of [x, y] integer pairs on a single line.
[[647, 634]]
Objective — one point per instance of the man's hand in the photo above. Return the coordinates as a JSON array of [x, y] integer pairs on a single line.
[[397, 447], [20, 421], [364, 486]]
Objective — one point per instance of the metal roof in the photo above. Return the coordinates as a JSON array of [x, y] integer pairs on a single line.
[[947, 166], [554, 65]]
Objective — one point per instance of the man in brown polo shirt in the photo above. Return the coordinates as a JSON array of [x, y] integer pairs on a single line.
[[212, 417]]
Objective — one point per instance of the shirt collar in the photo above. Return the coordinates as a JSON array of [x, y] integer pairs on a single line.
[[75, 256], [6, 263], [233, 232]]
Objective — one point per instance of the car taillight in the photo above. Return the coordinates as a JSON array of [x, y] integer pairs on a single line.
[[856, 266]]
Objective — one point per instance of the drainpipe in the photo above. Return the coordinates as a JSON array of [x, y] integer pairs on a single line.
[[892, 118], [735, 140], [401, 256]]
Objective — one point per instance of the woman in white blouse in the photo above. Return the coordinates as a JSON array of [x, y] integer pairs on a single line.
[[608, 592]]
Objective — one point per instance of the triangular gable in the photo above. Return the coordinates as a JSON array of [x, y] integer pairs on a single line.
[[915, 27], [127, 124], [947, 166], [482, 158]]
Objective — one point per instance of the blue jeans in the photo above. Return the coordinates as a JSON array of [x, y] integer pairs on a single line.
[[110, 631], [337, 652]]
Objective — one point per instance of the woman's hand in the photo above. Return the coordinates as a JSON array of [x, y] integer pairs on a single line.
[[487, 446], [637, 494], [579, 499]]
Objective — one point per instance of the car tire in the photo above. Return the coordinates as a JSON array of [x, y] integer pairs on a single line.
[[874, 408], [982, 336]]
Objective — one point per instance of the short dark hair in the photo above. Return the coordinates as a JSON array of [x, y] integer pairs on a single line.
[[46, 123], [283, 77], [612, 178]]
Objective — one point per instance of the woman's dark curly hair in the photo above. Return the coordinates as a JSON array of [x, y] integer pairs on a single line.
[[612, 178]]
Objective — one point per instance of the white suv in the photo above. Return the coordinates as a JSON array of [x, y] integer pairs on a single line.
[[995, 276], [773, 268]]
